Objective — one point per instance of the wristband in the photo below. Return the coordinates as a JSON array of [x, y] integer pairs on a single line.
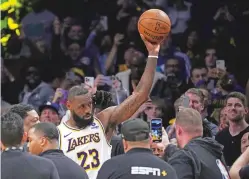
[[152, 56]]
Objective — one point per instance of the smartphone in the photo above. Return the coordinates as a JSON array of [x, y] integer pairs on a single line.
[[185, 102], [104, 22], [220, 64], [156, 129], [89, 81]]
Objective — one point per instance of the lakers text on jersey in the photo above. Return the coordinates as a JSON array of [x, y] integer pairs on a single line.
[[88, 147]]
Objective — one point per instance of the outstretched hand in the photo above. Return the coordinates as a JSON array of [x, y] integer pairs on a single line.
[[153, 49]]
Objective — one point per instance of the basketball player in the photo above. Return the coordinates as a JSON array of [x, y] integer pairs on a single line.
[[85, 138]]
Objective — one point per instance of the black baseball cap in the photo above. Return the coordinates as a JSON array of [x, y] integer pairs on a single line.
[[50, 106], [135, 130]]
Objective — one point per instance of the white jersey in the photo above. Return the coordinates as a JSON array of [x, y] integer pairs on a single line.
[[88, 147]]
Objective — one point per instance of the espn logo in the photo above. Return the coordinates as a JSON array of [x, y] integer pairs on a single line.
[[146, 171]]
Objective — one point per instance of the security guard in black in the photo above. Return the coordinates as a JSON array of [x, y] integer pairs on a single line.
[[137, 162]]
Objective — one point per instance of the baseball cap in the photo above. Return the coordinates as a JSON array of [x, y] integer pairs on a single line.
[[49, 105], [135, 130]]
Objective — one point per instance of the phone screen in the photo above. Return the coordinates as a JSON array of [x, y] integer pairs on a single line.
[[185, 102], [156, 129]]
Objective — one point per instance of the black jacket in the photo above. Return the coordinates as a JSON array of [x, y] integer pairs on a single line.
[[165, 90], [117, 146], [137, 163], [201, 158], [66, 167], [17, 164]]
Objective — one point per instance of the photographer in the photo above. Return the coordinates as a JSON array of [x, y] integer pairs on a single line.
[[171, 87]]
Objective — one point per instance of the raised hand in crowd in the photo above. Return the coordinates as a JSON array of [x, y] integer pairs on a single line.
[[112, 56], [102, 80], [159, 148], [216, 73], [118, 39], [228, 16], [57, 26], [165, 138], [240, 168], [142, 108], [58, 95], [223, 12]]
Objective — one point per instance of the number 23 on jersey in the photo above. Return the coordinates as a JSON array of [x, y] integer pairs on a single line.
[[83, 156]]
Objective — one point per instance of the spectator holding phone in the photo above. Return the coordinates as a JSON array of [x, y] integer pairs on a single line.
[[108, 53], [159, 147]]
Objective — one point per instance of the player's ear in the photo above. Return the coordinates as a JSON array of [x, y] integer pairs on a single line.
[[24, 137], [151, 140], [43, 141], [178, 130], [68, 104], [246, 110], [125, 145], [202, 107], [2, 147]]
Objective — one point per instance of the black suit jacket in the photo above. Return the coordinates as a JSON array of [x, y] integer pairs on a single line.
[[17, 164], [66, 167]]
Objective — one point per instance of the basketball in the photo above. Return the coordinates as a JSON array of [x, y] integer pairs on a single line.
[[154, 25]]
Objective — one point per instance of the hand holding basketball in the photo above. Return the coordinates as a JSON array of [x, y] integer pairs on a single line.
[[153, 49]]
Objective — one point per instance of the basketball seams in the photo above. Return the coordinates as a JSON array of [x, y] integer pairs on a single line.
[[151, 30], [152, 19]]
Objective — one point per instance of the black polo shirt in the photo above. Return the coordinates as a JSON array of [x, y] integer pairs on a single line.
[[232, 144], [135, 164]]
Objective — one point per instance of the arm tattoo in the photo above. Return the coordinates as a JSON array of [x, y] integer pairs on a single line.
[[126, 109], [111, 126]]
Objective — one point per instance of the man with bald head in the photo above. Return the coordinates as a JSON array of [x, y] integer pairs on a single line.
[[188, 126], [130, 78], [197, 157]]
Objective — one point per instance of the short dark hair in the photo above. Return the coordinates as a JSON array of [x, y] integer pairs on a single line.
[[103, 99], [210, 45], [197, 65], [11, 129], [239, 96], [21, 109], [48, 129], [77, 91], [174, 57]]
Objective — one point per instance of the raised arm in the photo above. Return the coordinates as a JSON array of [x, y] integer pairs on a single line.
[[116, 115]]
